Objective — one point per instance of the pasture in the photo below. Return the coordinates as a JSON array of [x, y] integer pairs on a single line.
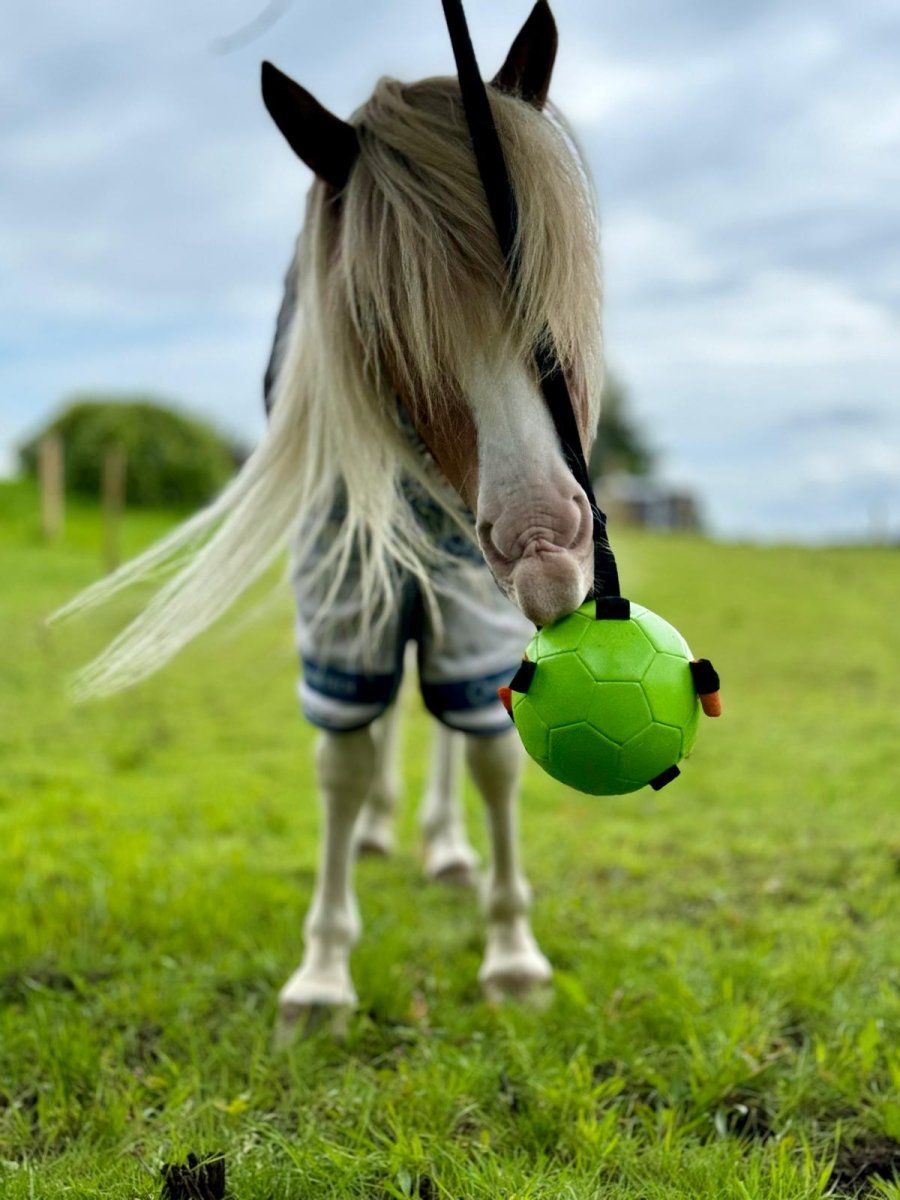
[[725, 1019]]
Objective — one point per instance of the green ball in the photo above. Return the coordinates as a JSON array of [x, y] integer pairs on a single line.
[[611, 705]]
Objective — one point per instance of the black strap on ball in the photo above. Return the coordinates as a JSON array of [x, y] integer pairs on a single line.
[[504, 211], [521, 681], [706, 677], [664, 777], [612, 608]]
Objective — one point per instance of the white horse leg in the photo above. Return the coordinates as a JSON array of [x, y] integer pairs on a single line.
[[344, 762], [375, 828], [449, 857], [513, 962]]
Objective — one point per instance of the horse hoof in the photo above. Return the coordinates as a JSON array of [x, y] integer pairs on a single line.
[[523, 989], [516, 977], [454, 865], [296, 1023], [374, 837], [455, 874], [369, 845], [311, 1000]]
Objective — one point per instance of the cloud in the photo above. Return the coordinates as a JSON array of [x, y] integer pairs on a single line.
[[840, 418]]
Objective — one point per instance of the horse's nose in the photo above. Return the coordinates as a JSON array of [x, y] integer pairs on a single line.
[[521, 530]]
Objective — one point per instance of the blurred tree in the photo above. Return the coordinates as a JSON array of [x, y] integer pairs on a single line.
[[170, 458], [620, 444]]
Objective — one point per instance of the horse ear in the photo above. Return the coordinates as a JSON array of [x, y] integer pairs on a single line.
[[328, 145], [529, 64]]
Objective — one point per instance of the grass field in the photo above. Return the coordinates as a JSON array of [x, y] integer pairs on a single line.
[[726, 1014]]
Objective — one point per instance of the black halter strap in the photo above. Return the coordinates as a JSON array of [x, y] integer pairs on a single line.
[[504, 211]]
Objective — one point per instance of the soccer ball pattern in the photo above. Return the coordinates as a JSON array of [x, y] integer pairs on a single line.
[[612, 704]]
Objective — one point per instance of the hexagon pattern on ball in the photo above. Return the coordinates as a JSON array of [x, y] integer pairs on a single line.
[[611, 704]]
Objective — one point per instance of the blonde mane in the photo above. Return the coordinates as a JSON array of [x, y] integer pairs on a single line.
[[400, 287]]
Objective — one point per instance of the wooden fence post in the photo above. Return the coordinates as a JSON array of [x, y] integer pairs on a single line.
[[52, 485], [113, 500]]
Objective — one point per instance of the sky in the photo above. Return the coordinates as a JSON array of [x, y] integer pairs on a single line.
[[747, 163]]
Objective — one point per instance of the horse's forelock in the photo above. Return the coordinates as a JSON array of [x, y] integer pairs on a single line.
[[419, 269], [406, 271]]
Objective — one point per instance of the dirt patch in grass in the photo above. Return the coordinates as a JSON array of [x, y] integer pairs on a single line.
[[195, 1179], [426, 1188], [863, 1161]]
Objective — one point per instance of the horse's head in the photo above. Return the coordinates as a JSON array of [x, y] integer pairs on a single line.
[[412, 275]]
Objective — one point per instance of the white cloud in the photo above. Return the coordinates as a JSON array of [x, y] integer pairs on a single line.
[[780, 319], [870, 461], [592, 87]]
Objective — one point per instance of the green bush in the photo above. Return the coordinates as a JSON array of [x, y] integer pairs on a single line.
[[171, 459]]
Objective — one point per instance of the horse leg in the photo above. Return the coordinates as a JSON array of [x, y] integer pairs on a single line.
[[449, 857], [375, 828], [344, 763], [513, 963]]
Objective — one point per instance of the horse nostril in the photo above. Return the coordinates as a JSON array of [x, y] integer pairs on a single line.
[[583, 516], [497, 542], [483, 531]]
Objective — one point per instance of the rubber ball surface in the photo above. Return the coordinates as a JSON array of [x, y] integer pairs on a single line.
[[611, 704]]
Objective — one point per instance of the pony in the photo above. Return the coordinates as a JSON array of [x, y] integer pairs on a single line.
[[405, 316]]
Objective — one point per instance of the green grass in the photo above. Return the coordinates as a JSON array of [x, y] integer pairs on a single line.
[[726, 1012]]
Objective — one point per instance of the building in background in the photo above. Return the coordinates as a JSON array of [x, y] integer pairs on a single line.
[[641, 500]]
